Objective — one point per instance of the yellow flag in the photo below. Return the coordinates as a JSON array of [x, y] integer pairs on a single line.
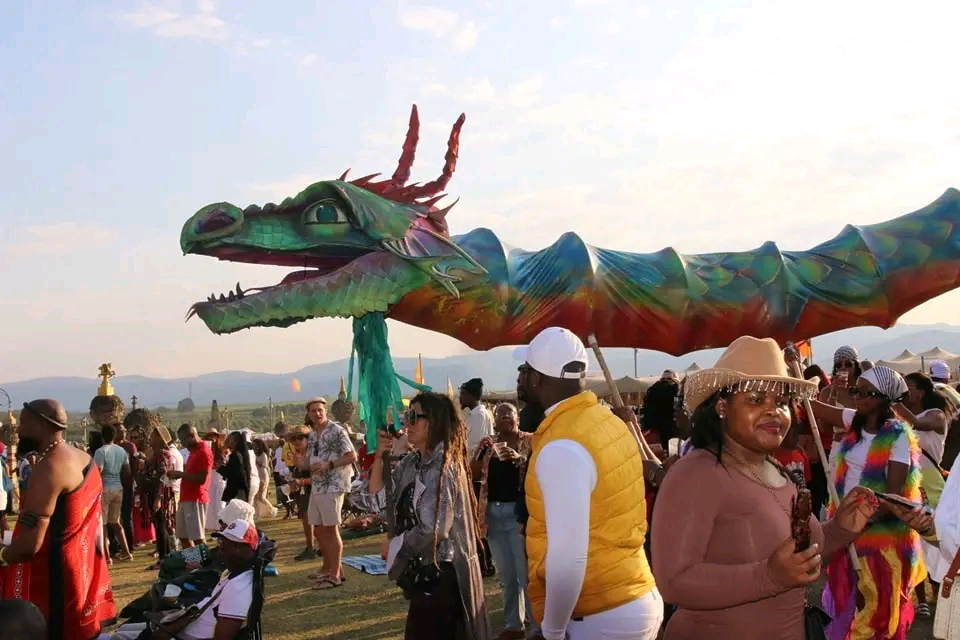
[[450, 391], [418, 374]]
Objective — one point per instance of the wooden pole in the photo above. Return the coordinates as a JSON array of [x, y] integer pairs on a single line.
[[824, 460], [645, 451]]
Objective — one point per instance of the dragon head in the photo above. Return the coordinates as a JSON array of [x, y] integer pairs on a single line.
[[357, 246]]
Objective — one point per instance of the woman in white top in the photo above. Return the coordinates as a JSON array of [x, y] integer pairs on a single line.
[[926, 410]]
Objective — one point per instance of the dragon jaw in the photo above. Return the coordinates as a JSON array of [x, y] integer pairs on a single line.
[[359, 246], [355, 252]]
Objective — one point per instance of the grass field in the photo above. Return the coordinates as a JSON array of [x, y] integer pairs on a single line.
[[363, 607]]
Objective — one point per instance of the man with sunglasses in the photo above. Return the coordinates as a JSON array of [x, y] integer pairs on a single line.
[[332, 457], [588, 573]]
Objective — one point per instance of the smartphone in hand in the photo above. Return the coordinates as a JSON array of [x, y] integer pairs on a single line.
[[900, 501]]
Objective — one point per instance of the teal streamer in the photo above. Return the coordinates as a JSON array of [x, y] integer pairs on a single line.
[[353, 358], [378, 391], [414, 385]]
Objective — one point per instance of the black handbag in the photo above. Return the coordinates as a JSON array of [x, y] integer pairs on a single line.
[[418, 576], [815, 621]]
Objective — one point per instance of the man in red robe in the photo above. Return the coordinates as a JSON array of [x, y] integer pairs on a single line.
[[56, 558]]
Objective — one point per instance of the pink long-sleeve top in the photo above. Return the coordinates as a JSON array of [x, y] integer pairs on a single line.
[[713, 532]]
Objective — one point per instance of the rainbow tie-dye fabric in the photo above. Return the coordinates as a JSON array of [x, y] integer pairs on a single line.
[[891, 563]]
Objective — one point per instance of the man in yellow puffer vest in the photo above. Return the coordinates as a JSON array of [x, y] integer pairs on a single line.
[[588, 573]]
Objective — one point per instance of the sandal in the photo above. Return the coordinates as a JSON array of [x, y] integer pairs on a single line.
[[318, 575], [326, 583]]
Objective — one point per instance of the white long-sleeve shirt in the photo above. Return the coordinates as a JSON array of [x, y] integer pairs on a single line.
[[479, 425], [567, 475]]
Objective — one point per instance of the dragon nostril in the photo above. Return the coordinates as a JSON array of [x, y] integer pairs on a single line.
[[215, 220]]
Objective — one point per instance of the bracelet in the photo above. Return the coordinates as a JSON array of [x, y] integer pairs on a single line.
[[3, 563]]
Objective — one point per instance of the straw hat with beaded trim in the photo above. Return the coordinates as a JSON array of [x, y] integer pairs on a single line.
[[748, 364]]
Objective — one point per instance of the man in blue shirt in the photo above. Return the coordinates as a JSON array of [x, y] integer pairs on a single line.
[[114, 465]]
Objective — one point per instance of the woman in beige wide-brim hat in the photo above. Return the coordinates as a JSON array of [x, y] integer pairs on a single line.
[[722, 545]]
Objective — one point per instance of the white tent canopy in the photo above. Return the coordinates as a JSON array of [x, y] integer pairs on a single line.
[[921, 361]]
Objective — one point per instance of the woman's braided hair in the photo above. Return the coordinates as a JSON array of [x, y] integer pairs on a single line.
[[445, 426]]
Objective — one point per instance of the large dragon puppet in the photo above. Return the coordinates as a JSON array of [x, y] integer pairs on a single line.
[[371, 249], [371, 246]]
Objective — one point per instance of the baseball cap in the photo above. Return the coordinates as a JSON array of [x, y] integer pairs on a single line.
[[240, 531], [939, 369], [552, 350]]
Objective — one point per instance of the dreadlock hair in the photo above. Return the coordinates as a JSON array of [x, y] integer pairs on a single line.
[[445, 426]]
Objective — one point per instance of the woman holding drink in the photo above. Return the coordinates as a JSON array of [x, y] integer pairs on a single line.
[[499, 464]]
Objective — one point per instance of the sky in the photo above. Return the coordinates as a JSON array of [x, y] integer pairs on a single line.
[[706, 126]]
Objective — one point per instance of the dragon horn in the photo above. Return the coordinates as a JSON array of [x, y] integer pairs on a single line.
[[402, 174], [365, 179], [450, 164], [344, 176]]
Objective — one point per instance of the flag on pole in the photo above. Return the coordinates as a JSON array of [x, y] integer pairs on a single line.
[[418, 374], [805, 347], [450, 391]]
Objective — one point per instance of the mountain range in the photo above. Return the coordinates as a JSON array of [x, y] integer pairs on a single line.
[[497, 368]]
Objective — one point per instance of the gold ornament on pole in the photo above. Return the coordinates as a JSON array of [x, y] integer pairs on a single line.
[[106, 372]]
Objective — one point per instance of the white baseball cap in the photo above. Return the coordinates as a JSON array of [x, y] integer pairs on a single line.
[[240, 531], [552, 350], [939, 369]]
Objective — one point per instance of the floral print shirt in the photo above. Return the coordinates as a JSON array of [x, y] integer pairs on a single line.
[[332, 444]]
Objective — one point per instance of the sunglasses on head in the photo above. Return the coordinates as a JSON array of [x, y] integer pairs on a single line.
[[865, 393]]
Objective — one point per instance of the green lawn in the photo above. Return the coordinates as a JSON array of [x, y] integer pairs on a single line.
[[363, 607]]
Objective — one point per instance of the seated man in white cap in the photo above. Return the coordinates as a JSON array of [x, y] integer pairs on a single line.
[[223, 613], [585, 495]]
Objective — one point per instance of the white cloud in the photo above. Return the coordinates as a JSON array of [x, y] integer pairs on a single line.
[[476, 90], [307, 60], [643, 12], [204, 24], [613, 27], [705, 24], [465, 37], [558, 22], [60, 238], [525, 93], [587, 3], [435, 89], [441, 24]]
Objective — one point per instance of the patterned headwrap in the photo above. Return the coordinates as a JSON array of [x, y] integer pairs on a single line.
[[887, 381], [846, 353]]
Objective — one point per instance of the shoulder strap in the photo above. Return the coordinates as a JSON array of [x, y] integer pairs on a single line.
[[953, 570], [930, 458]]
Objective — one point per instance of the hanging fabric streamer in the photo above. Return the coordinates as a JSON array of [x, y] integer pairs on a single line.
[[378, 388]]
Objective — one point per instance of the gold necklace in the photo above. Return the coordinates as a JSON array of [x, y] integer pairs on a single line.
[[756, 476]]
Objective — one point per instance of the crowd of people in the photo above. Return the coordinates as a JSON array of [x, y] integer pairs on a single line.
[[718, 534]]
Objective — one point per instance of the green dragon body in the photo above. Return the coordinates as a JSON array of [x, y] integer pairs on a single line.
[[383, 246]]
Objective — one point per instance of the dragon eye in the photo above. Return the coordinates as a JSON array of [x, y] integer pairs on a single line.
[[325, 212]]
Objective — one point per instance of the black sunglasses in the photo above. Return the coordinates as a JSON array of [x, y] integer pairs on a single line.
[[412, 416], [854, 391], [844, 364]]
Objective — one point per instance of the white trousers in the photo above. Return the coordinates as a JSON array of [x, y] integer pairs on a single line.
[[637, 620]]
